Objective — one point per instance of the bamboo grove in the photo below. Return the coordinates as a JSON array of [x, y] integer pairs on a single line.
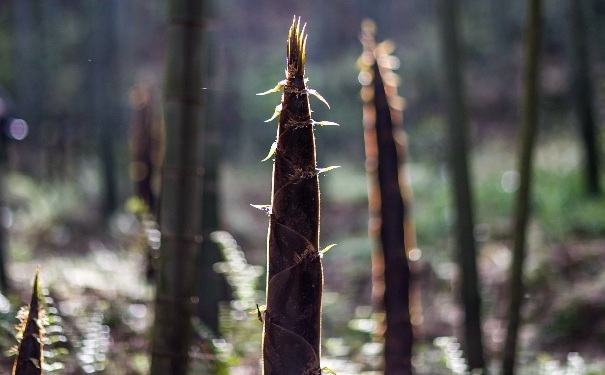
[[187, 300]]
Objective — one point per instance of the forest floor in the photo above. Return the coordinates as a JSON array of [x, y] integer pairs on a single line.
[[106, 305]]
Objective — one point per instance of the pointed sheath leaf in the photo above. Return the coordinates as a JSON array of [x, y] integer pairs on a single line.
[[266, 208], [318, 96], [276, 113], [328, 370], [271, 151], [324, 123], [327, 248], [326, 169], [280, 85], [260, 310]]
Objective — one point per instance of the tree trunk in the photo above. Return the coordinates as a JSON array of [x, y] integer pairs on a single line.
[[212, 286], [105, 107], [582, 94], [179, 218], [388, 212], [292, 319], [145, 143], [458, 149], [4, 284], [522, 203], [28, 76]]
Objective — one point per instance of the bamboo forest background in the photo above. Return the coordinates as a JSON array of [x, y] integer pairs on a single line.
[[85, 74]]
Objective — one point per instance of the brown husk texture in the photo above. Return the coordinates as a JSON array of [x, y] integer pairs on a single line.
[[293, 315], [29, 358], [384, 156]]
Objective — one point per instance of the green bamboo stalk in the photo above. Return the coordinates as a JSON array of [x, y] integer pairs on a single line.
[[179, 218], [104, 103], [462, 188], [4, 284], [31, 332], [583, 95], [212, 287], [522, 203], [292, 319]]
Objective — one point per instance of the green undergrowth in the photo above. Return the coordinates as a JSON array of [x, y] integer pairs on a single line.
[[47, 216], [561, 207]]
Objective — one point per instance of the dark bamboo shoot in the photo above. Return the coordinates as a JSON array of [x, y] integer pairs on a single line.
[[30, 355], [388, 211], [292, 329]]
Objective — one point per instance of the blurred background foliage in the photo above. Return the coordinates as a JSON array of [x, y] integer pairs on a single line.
[[67, 69]]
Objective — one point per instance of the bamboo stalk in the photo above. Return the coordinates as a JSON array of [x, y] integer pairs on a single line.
[[181, 174], [527, 140], [466, 252]]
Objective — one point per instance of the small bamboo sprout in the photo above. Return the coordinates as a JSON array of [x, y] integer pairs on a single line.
[[292, 319], [31, 333]]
